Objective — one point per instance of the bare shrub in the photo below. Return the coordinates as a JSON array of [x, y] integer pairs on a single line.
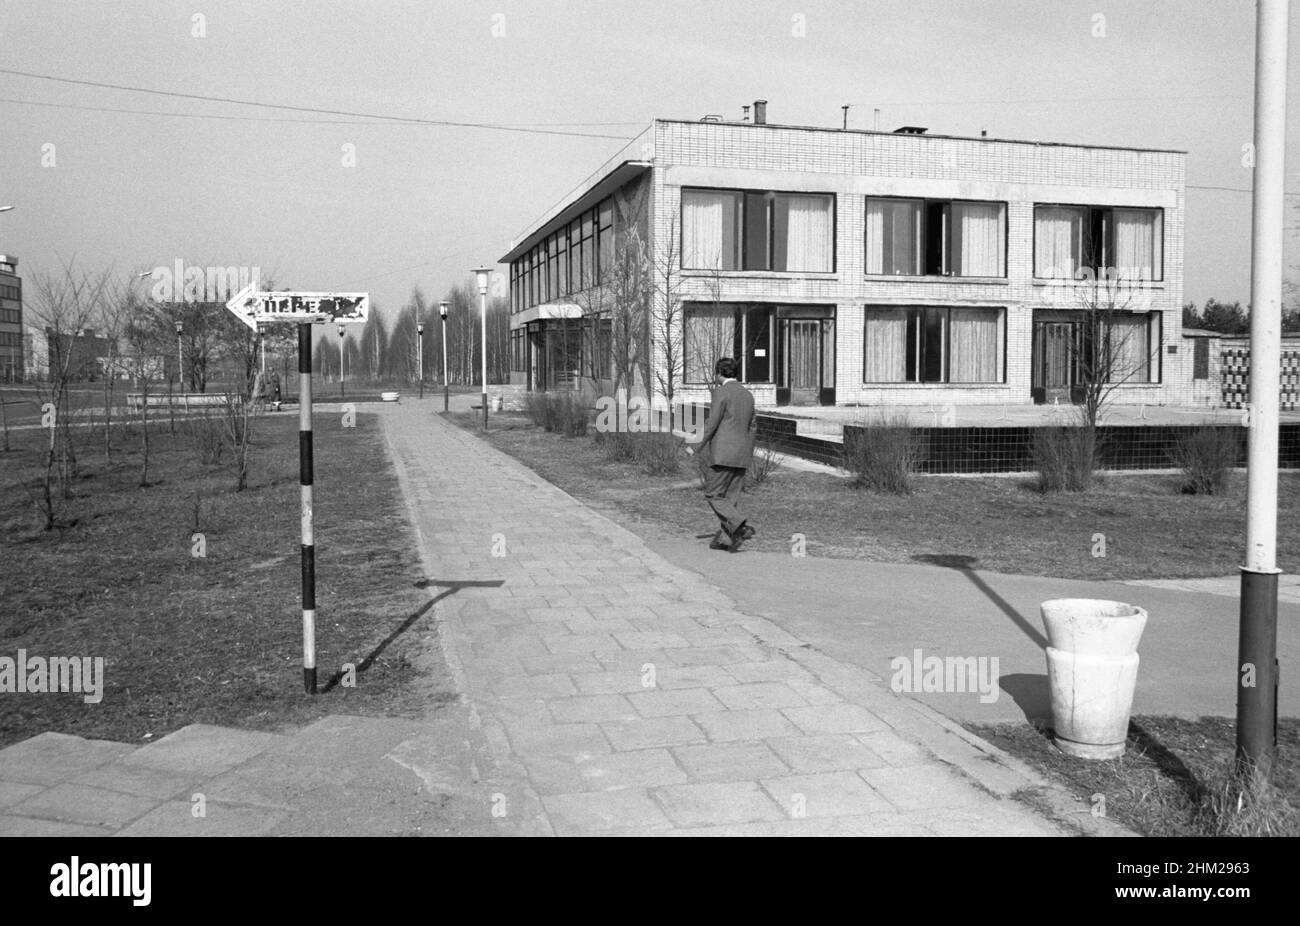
[[882, 455], [766, 462], [1066, 458], [1205, 456]]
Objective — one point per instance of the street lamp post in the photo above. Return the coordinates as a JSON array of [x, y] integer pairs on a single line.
[[343, 369], [446, 395], [13, 362], [483, 273], [180, 358], [419, 351]]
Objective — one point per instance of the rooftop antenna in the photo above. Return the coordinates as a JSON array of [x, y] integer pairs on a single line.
[[877, 119], [845, 107]]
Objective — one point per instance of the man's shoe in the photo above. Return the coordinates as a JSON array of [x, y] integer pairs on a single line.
[[738, 538], [746, 532], [721, 541]]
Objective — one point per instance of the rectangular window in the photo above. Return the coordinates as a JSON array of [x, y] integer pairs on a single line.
[[1201, 358], [757, 335], [1134, 344], [748, 230], [587, 234], [716, 330], [710, 230], [562, 260], [894, 236], [757, 222], [710, 333], [1071, 242], [803, 233], [1138, 251], [914, 237], [605, 239], [934, 344], [975, 345]]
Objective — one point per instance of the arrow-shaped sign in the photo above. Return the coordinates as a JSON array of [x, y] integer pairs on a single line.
[[251, 307]]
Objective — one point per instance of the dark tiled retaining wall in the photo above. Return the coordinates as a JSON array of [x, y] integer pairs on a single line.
[[1010, 450]]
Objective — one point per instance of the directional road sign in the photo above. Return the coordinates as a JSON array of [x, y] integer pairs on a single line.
[[251, 306]]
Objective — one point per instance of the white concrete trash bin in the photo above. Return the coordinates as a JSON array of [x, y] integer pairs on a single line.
[[497, 403], [1092, 666]]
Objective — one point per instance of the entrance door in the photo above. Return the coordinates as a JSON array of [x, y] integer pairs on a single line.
[[1054, 350], [803, 359]]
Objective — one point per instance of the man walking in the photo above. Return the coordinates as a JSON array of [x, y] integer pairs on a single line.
[[730, 435]]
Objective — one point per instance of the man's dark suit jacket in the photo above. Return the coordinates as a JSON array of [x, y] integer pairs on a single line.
[[732, 426]]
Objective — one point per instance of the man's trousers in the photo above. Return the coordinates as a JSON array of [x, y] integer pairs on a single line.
[[722, 488]]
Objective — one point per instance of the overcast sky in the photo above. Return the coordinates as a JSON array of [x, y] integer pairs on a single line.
[[218, 183]]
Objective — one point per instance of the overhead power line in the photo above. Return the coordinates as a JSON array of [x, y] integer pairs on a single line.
[[155, 112], [492, 126]]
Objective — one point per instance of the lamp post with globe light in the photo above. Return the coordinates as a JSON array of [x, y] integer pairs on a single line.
[[343, 387], [483, 273], [446, 395]]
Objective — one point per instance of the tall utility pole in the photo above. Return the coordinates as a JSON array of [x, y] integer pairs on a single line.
[[1257, 644]]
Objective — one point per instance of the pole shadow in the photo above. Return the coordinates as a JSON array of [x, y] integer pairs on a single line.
[[965, 565], [449, 586], [1032, 693]]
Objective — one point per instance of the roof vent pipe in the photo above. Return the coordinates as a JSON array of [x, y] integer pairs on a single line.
[[745, 117], [760, 112]]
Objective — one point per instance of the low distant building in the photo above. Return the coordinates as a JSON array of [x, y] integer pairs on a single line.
[[11, 320], [83, 354]]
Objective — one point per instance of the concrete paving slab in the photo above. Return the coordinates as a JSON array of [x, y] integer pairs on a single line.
[[11, 825], [84, 805], [50, 758], [202, 748]]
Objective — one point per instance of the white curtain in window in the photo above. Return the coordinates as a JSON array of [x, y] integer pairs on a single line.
[[1137, 244], [808, 234], [1130, 349], [893, 236], [708, 230], [978, 245], [709, 334], [1058, 241], [975, 342], [886, 350]]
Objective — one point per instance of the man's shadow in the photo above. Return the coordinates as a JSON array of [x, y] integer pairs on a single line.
[[1032, 693], [449, 586]]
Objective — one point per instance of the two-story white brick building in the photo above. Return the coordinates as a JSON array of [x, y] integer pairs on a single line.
[[847, 267]]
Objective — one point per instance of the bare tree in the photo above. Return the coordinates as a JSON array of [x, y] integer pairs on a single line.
[[64, 303], [620, 303], [665, 339], [1109, 351], [1111, 347]]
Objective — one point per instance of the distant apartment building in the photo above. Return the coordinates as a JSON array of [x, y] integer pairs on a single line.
[[847, 267], [11, 320]]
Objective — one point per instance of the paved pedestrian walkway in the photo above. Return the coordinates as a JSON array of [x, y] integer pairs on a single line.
[[607, 691], [619, 693]]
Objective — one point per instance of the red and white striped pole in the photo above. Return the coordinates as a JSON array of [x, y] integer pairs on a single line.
[[305, 479]]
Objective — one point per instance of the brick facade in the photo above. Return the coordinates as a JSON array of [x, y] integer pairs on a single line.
[[853, 165]]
